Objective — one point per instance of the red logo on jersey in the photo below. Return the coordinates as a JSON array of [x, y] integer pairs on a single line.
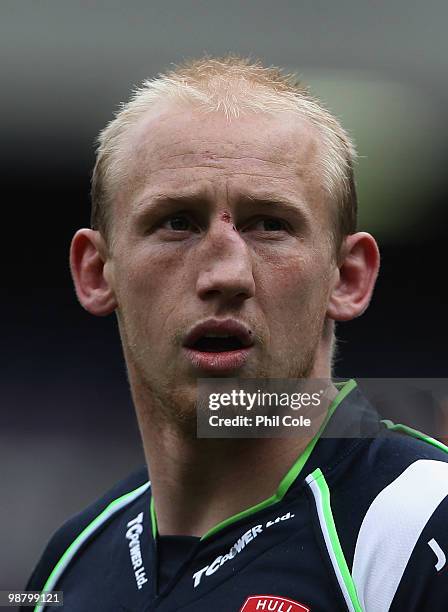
[[272, 603]]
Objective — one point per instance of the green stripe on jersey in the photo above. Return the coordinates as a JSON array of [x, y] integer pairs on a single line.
[[415, 434], [321, 492], [344, 389], [85, 534]]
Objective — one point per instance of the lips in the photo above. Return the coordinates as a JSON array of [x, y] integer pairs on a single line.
[[218, 345]]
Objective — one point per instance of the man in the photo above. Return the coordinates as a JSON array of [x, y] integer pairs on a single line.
[[224, 239]]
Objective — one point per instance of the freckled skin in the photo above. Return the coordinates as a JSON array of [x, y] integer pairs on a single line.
[[225, 264]]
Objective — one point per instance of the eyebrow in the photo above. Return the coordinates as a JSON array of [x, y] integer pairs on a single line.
[[278, 204], [266, 200], [150, 202]]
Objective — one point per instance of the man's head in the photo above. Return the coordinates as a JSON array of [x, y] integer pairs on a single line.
[[234, 87], [213, 215]]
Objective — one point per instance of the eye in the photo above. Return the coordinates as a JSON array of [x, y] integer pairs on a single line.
[[178, 223], [268, 224]]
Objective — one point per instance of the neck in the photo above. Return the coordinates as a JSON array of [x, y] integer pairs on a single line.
[[199, 482]]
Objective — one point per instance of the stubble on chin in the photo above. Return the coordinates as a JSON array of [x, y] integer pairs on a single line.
[[168, 405]]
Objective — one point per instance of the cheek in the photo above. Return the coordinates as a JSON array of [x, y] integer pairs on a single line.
[[293, 290], [290, 275], [147, 272], [147, 291]]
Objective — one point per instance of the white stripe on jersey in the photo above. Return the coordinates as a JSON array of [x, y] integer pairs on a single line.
[[391, 529]]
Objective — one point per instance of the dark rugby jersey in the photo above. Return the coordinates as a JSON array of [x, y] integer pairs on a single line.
[[358, 523]]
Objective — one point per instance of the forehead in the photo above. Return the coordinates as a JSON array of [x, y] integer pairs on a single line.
[[182, 148]]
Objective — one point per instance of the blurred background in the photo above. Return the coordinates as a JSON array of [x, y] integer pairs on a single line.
[[67, 430]]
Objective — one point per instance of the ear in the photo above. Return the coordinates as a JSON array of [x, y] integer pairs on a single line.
[[355, 277], [88, 263]]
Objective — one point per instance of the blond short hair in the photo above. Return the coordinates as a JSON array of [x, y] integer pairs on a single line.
[[231, 85]]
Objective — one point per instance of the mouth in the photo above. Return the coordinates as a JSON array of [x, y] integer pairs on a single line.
[[218, 345]]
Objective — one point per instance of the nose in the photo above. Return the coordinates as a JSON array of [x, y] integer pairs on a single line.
[[225, 266]]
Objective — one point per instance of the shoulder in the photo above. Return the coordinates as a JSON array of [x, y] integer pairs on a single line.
[[387, 494], [79, 528], [423, 581], [408, 505], [383, 469], [402, 444]]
